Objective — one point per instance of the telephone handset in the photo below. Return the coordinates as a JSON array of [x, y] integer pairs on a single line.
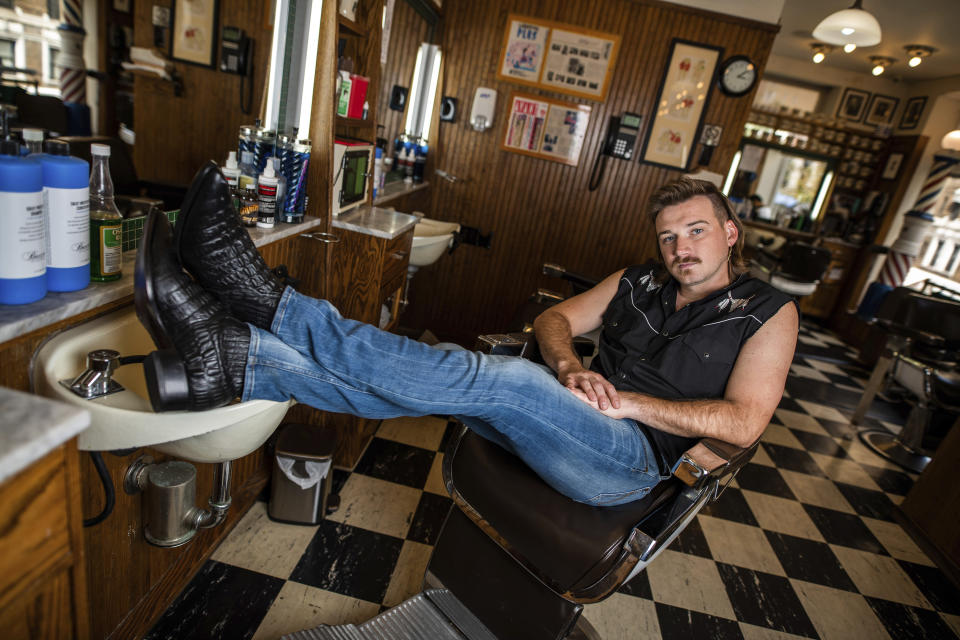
[[234, 51], [622, 135]]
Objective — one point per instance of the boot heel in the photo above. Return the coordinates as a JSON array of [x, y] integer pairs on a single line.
[[166, 381]]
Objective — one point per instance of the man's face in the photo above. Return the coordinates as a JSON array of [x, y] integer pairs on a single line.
[[694, 244]]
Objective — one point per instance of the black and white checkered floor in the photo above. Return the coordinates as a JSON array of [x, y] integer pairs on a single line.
[[803, 545]]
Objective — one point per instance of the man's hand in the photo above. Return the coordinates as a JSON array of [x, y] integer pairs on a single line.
[[589, 386]]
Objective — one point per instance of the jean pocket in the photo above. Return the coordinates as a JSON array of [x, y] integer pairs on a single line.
[[623, 497]]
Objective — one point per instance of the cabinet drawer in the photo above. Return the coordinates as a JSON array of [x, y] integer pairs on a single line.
[[396, 257], [33, 524]]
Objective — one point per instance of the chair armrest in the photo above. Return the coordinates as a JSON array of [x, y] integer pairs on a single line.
[[712, 459], [929, 339], [525, 345]]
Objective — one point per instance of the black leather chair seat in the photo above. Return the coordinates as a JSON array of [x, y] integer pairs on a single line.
[[571, 544], [946, 387]]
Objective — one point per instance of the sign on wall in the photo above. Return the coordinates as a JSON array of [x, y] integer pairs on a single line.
[[546, 128], [558, 57]]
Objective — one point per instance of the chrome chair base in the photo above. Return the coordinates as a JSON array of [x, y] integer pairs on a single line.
[[888, 446]]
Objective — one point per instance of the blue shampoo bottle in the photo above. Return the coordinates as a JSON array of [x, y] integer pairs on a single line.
[[23, 264], [66, 195]]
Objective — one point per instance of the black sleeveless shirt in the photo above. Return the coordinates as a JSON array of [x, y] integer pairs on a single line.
[[647, 346]]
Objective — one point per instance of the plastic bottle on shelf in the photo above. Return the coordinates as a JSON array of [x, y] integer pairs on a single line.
[[231, 171], [106, 248], [267, 198], [420, 162], [377, 171], [66, 204], [248, 172], [281, 186], [22, 263], [33, 140], [249, 206]]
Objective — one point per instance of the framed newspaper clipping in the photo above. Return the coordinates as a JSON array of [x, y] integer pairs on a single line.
[[546, 128], [558, 57]]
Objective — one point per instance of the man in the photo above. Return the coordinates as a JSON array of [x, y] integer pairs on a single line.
[[597, 437]]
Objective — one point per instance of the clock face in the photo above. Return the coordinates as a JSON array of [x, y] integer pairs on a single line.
[[737, 76]]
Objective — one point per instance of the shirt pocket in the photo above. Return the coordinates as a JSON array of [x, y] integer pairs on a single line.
[[699, 363]]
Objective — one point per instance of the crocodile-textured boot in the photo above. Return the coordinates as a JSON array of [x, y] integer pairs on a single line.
[[214, 247], [203, 350]]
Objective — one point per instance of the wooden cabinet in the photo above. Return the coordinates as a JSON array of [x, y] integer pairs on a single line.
[[43, 591], [823, 300]]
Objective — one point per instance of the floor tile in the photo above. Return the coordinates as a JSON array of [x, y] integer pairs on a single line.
[[740, 545], [880, 577], [639, 585], [760, 457], [793, 459], [299, 606], [675, 622], [822, 411], [360, 568], [622, 616], [779, 434], [847, 471], [937, 588], [407, 578], [797, 420], [691, 540], [825, 367], [844, 528], [815, 490], [757, 477], [808, 372], [377, 505], [953, 622], [753, 632], [731, 505], [260, 544], [779, 514], [789, 404], [814, 442], [902, 621], [765, 600], [671, 583], [429, 517], [867, 502], [809, 560], [426, 432], [859, 452], [434, 482], [838, 428], [396, 462], [839, 615], [207, 607]]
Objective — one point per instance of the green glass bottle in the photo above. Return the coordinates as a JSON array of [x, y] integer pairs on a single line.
[[106, 248]]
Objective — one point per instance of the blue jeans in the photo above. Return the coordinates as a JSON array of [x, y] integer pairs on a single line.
[[317, 357]]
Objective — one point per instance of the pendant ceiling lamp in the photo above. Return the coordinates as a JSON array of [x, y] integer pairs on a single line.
[[850, 26]]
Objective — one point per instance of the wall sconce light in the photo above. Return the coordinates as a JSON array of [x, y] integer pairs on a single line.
[[849, 26], [880, 64], [917, 52], [849, 47], [820, 51]]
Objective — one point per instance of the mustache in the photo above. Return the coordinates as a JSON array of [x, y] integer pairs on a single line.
[[677, 261]]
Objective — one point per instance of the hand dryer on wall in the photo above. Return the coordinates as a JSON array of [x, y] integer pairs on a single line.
[[484, 104]]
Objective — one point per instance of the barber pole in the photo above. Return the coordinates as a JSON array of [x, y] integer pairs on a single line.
[[73, 73]]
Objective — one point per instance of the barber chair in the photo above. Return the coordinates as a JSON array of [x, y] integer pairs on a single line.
[[517, 560], [544, 298], [130, 189], [797, 270], [921, 355]]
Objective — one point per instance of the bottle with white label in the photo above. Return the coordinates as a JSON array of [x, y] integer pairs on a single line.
[[66, 204], [106, 249], [231, 171], [267, 197], [23, 265]]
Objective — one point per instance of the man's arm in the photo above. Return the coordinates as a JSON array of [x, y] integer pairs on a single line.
[[753, 391], [555, 329]]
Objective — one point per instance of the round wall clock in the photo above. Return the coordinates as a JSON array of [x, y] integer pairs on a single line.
[[737, 76]]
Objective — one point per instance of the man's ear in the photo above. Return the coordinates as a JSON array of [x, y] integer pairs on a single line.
[[732, 233]]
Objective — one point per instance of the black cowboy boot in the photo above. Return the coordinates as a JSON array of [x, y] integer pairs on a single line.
[[214, 247], [203, 351]]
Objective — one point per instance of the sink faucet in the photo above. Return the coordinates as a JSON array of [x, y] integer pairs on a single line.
[[96, 380]]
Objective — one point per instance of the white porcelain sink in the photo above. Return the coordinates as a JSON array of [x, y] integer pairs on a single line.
[[430, 239], [125, 419]]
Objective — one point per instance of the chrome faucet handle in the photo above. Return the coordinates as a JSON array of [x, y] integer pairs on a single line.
[[96, 381], [103, 361]]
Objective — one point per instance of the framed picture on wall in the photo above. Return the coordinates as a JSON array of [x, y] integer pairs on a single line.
[[881, 110], [546, 128], [892, 168], [853, 104], [681, 104], [912, 112], [194, 31]]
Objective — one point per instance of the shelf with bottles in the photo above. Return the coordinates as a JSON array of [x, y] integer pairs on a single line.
[[811, 132]]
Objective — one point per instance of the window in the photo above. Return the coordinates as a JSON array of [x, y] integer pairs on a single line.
[[51, 73], [53, 9], [7, 57]]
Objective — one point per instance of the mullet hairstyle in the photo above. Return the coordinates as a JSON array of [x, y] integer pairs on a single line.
[[684, 189]]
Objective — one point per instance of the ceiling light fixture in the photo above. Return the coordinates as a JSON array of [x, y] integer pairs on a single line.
[[849, 26], [880, 64], [820, 51], [917, 52], [849, 47], [951, 141]]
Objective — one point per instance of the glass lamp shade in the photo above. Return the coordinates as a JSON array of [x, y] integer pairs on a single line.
[[951, 141], [850, 26]]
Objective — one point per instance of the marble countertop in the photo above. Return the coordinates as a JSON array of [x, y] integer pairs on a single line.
[[17, 320], [397, 189], [32, 426], [374, 221]]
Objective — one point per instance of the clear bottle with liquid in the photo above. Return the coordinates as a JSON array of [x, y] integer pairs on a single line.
[[106, 249]]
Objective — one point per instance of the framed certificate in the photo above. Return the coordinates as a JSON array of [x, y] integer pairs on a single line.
[[194, 31]]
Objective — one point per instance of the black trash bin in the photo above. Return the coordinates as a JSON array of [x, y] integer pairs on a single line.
[[304, 452]]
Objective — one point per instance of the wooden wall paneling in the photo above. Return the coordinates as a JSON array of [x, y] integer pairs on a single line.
[[176, 135], [541, 211]]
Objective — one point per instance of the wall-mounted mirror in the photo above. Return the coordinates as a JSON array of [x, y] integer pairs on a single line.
[[779, 186], [293, 60]]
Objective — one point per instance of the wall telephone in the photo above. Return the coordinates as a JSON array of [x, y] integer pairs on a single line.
[[234, 51], [622, 133]]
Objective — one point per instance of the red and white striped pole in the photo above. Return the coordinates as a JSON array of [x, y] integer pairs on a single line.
[[73, 72], [915, 224]]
